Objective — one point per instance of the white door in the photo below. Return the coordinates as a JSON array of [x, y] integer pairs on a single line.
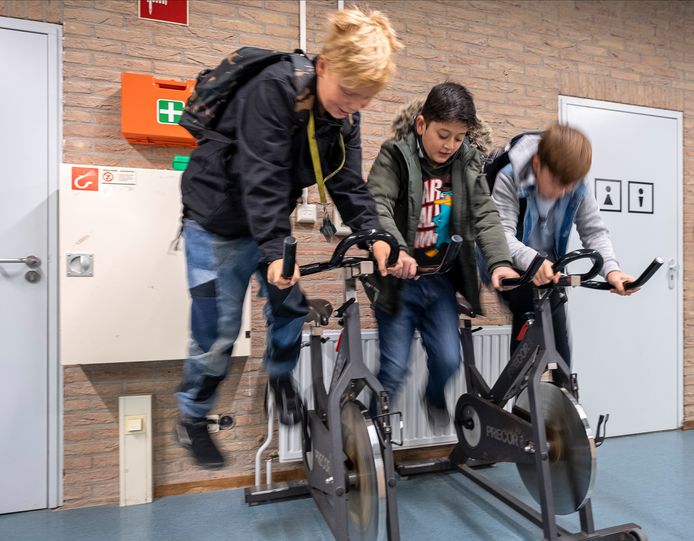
[[29, 143], [628, 351]]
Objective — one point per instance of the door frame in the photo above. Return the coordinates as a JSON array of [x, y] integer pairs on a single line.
[[564, 102], [54, 34]]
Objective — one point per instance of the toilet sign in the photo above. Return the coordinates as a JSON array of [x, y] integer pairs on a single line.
[[608, 194], [166, 11], [641, 197]]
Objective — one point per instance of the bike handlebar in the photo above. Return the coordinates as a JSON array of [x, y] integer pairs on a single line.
[[338, 258], [565, 280], [577, 255], [583, 280]]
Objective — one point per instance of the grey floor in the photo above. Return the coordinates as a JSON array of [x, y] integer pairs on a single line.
[[646, 479]]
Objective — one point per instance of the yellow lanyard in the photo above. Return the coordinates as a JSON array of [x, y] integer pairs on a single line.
[[315, 158]]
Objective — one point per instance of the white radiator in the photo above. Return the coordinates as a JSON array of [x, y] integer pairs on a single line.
[[491, 353]]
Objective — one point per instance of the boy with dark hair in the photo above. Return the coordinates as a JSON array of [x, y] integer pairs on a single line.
[[541, 194], [428, 184], [237, 200]]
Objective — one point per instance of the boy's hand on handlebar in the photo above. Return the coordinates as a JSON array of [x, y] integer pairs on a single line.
[[406, 267], [617, 279], [274, 275], [500, 273], [546, 274], [381, 251]]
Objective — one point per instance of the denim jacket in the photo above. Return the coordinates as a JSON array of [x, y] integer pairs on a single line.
[[564, 212]]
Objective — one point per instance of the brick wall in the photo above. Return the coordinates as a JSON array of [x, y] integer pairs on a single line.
[[515, 56]]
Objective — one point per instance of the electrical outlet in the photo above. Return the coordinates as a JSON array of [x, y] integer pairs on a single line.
[[213, 423], [342, 229], [306, 214]]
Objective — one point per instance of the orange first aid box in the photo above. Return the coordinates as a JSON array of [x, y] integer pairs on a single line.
[[151, 109]]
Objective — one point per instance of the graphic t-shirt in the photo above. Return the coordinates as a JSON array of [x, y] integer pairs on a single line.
[[433, 231]]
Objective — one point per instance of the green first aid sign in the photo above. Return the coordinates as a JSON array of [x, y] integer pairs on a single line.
[[169, 111]]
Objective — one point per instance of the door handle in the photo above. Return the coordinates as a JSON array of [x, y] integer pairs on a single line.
[[672, 270], [30, 261]]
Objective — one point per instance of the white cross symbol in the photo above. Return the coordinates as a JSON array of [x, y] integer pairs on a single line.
[[170, 111]]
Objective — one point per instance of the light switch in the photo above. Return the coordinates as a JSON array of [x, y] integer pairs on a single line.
[[134, 423]]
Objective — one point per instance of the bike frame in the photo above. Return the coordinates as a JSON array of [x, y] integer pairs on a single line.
[[534, 355], [327, 478]]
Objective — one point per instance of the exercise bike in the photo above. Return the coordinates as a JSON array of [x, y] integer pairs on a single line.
[[347, 454], [546, 433]]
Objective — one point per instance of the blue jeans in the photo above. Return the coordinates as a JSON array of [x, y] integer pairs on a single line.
[[218, 271], [429, 305]]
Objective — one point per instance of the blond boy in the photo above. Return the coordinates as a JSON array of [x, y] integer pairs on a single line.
[[237, 200]]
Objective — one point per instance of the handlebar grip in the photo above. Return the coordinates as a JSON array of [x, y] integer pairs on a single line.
[[639, 282], [451, 252], [646, 274], [527, 276], [394, 250], [289, 257]]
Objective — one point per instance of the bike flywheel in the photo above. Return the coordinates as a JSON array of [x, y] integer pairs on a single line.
[[571, 446], [365, 471]]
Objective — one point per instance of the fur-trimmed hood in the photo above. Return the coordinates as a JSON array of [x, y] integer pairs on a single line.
[[479, 137]]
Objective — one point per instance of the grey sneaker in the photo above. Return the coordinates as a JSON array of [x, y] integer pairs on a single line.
[[194, 436]]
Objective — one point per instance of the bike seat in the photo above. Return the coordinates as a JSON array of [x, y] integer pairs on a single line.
[[464, 307], [319, 311]]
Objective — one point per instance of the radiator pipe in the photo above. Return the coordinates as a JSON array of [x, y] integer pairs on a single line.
[[266, 443]]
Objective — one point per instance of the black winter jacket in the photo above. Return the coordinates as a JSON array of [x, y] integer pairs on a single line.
[[251, 187]]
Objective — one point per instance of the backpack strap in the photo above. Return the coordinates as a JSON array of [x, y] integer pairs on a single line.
[[493, 165], [304, 70]]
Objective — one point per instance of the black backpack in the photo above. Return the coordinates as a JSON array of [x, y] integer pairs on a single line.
[[495, 163], [215, 88], [499, 159]]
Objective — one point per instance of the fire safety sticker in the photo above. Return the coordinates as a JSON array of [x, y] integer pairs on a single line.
[[118, 176]]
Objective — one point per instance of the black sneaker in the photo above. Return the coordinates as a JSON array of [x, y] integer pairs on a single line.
[[437, 414], [194, 436], [287, 401]]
